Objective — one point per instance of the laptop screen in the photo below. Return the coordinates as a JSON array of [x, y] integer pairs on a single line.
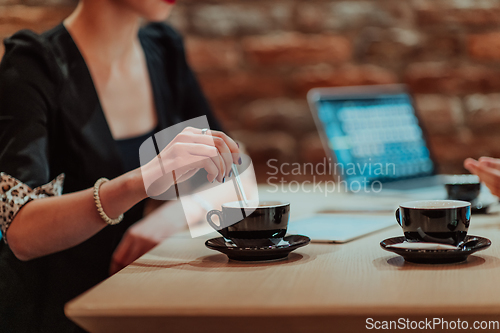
[[377, 135]]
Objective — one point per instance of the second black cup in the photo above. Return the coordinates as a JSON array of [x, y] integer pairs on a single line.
[[463, 187], [439, 221], [257, 226]]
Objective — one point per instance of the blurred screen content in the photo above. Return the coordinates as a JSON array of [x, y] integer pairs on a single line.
[[379, 135]]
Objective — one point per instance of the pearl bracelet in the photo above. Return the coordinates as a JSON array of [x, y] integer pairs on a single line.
[[97, 200]]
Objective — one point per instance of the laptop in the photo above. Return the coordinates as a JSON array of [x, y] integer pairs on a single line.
[[372, 136], [374, 139], [374, 143]]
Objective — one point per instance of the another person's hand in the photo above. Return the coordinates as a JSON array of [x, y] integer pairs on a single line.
[[488, 170]]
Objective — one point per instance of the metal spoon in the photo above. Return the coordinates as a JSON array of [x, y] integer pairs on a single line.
[[240, 185]]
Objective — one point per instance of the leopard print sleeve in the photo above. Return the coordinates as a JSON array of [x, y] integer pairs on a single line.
[[14, 195]]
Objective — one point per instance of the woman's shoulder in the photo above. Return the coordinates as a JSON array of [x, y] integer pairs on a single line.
[[28, 54], [27, 42], [24, 44]]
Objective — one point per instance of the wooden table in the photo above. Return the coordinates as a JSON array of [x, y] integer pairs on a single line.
[[181, 286]]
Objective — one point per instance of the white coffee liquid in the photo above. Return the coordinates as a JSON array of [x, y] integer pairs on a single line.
[[435, 204], [461, 179], [254, 205]]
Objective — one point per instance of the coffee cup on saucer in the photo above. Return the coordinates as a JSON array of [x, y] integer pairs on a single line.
[[463, 187], [436, 221], [259, 225]]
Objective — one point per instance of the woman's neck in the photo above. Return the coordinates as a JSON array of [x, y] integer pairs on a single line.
[[107, 32]]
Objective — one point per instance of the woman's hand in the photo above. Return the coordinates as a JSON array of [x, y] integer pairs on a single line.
[[188, 152], [153, 229], [488, 170]]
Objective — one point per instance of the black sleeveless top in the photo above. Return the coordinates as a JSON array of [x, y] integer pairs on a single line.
[[51, 122]]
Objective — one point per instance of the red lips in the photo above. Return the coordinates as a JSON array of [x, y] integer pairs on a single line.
[[170, 1]]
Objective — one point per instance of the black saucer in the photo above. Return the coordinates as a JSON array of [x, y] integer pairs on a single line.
[[425, 256], [274, 252]]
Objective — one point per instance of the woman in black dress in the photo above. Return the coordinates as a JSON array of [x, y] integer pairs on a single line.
[[75, 104]]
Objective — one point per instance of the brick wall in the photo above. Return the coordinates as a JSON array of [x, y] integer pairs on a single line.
[[257, 59]]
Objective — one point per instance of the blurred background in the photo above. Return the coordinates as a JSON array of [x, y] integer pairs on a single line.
[[256, 60]]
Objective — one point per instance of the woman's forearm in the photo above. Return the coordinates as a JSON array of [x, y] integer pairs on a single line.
[[53, 224]]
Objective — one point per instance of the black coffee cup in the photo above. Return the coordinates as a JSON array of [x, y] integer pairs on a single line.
[[255, 226], [437, 221], [463, 187]]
